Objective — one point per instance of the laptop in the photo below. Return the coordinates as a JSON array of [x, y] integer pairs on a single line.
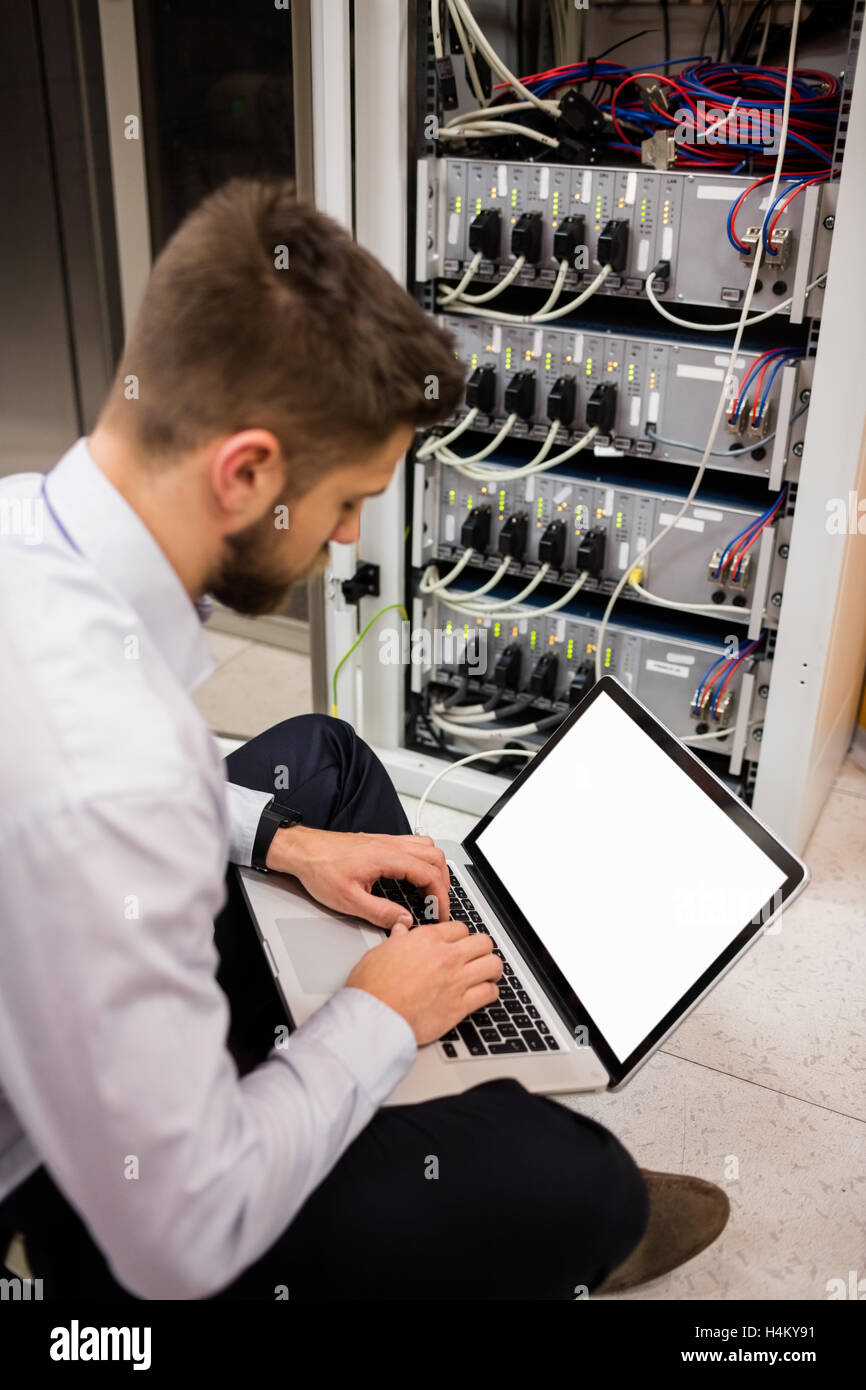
[[619, 879]]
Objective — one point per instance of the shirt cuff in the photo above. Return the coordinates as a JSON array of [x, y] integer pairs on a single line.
[[245, 808], [375, 1044]]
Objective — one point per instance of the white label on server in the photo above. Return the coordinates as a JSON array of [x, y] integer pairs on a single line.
[[543, 183], [586, 187], [643, 250], [537, 341], [522, 626], [623, 554], [630, 188], [667, 668], [685, 523], [497, 337], [578, 347], [640, 544], [720, 192], [450, 527], [708, 514], [453, 228], [652, 411], [722, 361], [608, 501], [700, 373], [607, 451], [530, 489], [685, 657], [634, 411], [502, 180], [667, 243], [561, 496], [559, 629]]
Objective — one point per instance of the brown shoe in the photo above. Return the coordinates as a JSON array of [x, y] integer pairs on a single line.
[[686, 1215]]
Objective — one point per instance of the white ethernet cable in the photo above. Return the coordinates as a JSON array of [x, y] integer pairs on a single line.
[[723, 327], [741, 326], [536, 465], [472, 758], [429, 586], [499, 316], [442, 441], [686, 607]]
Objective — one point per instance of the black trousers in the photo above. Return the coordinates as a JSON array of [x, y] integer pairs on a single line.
[[492, 1194]]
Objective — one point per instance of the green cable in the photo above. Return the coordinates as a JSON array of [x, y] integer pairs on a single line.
[[358, 640]]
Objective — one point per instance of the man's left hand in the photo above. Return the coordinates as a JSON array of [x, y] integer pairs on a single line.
[[338, 869]]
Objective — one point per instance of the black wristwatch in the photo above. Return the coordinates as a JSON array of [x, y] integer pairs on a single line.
[[274, 817]]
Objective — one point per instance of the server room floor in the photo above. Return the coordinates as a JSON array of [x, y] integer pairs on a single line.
[[760, 1090]]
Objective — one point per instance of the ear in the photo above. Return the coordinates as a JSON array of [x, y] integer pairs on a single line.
[[246, 472]]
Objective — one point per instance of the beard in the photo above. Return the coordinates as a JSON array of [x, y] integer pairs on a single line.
[[248, 579]]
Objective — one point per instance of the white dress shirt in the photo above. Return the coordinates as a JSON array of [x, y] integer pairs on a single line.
[[115, 828]]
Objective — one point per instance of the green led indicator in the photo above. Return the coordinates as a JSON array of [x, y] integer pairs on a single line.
[[452, 496], [539, 508], [496, 629], [607, 658], [507, 358], [448, 625], [469, 504], [474, 360], [458, 203], [618, 520], [477, 206], [569, 651], [514, 197], [589, 366], [548, 358], [631, 371], [465, 629], [502, 500], [532, 639]]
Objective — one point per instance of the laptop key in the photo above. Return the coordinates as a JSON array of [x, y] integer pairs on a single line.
[[532, 1011], [490, 1035], [552, 1043], [511, 1045], [536, 1044], [471, 1038], [542, 1026], [498, 1015], [450, 1037], [513, 1007], [450, 1049], [521, 1021], [508, 1030]]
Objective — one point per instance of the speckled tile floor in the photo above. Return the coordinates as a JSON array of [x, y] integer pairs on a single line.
[[761, 1090]]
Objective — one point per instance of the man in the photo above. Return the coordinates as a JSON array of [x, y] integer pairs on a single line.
[[157, 1139]]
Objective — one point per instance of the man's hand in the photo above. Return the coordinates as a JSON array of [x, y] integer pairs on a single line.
[[338, 869], [433, 976]]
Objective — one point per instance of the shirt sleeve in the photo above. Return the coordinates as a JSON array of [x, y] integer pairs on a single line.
[[245, 808], [113, 1049]]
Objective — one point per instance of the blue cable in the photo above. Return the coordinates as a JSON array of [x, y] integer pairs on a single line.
[[707, 675], [752, 372], [714, 708], [792, 357], [758, 521]]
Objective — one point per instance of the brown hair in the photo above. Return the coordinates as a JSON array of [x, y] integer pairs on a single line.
[[262, 312]]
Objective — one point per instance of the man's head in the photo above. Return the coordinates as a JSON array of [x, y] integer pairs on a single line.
[[273, 378]]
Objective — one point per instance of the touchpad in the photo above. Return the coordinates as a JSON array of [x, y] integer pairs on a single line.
[[322, 950]]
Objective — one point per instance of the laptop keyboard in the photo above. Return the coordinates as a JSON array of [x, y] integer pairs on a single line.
[[512, 1024]]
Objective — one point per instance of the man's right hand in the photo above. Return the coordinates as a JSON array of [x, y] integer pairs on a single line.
[[434, 975]]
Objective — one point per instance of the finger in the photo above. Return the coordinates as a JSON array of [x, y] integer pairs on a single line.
[[481, 968], [475, 944], [448, 930], [431, 877], [479, 996], [379, 911]]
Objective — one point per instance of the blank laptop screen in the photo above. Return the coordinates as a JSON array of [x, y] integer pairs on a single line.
[[631, 876]]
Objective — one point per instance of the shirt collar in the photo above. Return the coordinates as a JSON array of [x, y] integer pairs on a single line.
[[101, 524]]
